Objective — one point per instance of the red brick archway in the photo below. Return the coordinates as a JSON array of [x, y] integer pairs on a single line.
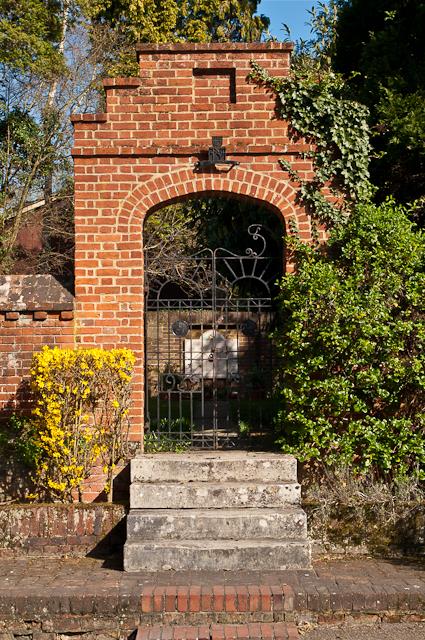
[[142, 154], [164, 189], [181, 183]]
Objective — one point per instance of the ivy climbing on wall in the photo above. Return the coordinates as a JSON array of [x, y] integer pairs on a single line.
[[319, 109]]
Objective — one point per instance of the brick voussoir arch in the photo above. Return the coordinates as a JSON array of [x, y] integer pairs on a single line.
[[184, 182]]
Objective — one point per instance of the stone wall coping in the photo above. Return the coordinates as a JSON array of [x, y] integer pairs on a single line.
[[211, 47], [34, 293]]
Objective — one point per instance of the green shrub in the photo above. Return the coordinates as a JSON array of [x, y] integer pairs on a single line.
[[351, 340], [155, 442], [17, 441]]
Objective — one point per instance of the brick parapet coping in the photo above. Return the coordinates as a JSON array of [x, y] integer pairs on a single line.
[[215, 47], [37, 294]]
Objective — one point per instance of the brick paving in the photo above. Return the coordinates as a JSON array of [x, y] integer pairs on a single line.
[[250, 631], [333, 590], [43, 599]]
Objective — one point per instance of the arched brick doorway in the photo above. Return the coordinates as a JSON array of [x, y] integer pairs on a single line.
[[210, 284], [177, 186], [143, 153]]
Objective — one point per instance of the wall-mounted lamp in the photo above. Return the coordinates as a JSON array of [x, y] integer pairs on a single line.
[[216, 157]]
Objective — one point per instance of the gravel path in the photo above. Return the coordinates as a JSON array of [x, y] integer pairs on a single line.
[[402, 631]]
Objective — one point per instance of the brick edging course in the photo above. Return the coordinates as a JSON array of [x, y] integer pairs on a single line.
[[249, 631]]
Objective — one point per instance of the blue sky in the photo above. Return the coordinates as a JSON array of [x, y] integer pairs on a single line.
[[291, 12]]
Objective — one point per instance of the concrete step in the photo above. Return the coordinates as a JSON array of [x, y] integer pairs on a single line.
[[248, 631], [224, 524], [225, 466], [213, 495], [228, 555]]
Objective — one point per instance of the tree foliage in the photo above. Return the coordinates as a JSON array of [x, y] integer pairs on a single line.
[[383, 41], [351, 344], [40, 86], [379, 48], [183, 20], [29, 31], [161, 21]]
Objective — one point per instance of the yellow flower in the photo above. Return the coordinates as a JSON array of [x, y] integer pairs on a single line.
[[72, 388]]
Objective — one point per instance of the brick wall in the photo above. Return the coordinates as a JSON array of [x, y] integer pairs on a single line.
[[22, 333], [36, 311]]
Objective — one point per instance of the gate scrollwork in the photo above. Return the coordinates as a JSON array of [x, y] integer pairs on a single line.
[[208, 320]]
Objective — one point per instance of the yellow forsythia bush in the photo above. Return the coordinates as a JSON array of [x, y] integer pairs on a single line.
[[82, 399]]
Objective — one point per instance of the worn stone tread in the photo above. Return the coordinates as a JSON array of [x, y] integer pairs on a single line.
[[230, 466], [206, 555], [213, 495], [226, 524]]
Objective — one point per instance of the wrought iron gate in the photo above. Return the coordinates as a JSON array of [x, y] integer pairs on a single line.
[[209, 359]]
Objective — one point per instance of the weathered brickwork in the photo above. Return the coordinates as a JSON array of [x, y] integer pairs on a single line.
[[60, 529], [139, 156]]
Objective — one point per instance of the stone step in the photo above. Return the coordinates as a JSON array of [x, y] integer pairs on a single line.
[[248, 631], [213, 495], [224, 524], [228, 555], [225, 466]]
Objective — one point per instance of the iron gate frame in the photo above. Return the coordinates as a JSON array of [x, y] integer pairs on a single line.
[[251, 317]]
